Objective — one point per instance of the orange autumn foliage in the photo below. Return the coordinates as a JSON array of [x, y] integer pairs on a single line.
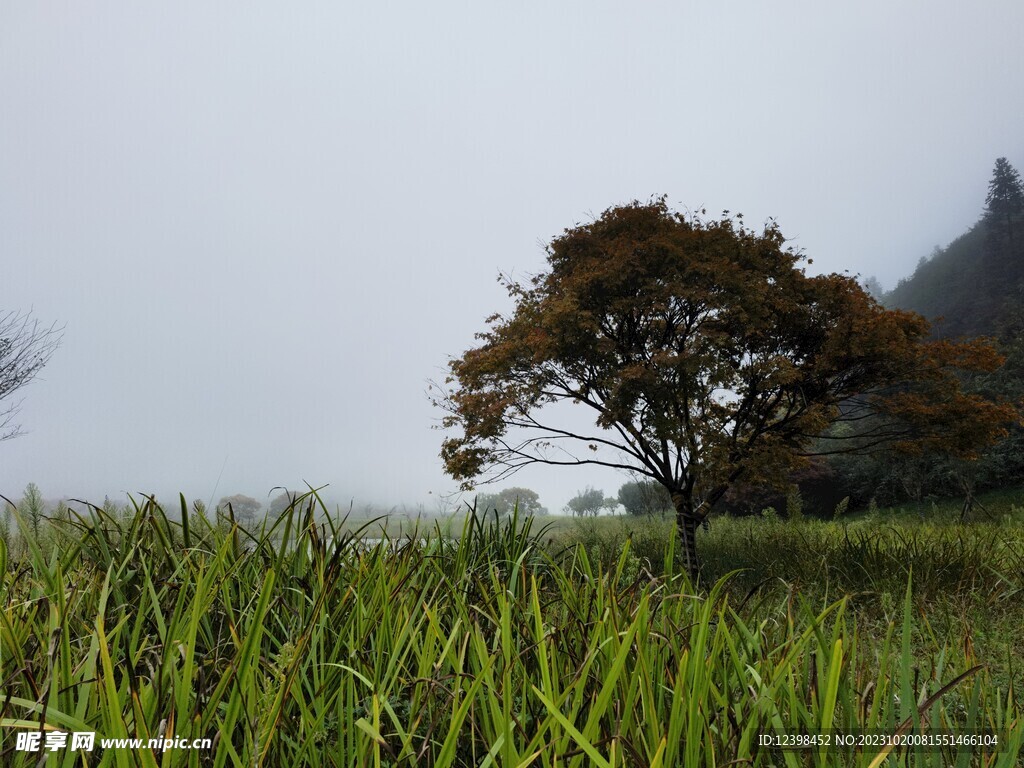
[[705, 354]]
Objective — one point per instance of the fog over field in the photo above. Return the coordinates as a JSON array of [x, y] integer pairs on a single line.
[[266, 226]]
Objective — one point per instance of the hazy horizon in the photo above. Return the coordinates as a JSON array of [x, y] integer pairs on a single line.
[[265, 230]]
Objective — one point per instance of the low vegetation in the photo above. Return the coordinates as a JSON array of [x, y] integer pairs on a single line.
[[513, 645]]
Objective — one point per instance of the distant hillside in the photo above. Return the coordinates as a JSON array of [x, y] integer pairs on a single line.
[[976, 284], [952, 285]]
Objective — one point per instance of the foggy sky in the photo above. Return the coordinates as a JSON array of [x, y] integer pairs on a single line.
[[266, 226]]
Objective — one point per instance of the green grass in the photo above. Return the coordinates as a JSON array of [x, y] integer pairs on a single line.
[[507, 646]]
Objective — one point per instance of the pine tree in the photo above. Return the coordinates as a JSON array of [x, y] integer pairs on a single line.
[[1005, 200]]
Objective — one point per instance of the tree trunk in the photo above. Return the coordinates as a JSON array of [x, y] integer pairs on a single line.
[[686, 524]]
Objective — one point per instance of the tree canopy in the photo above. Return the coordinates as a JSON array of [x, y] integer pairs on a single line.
[[704, 354]]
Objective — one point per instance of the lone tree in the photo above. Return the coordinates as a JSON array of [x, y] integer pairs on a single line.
[[281, 502], [644, 497], [243, 508], [505, 502], [25, 347], [590, 501], [704, 354]]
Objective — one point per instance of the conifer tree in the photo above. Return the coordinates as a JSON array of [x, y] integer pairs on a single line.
[[1005, 200]]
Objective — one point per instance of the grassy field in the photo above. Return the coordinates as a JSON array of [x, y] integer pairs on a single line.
[[572, 645]]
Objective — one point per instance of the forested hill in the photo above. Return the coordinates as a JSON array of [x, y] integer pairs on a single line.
[[975, 284]]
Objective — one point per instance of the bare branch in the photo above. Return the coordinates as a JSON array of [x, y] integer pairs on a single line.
[[25, 347]]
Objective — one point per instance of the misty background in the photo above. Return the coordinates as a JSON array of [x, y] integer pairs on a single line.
[[267, 226]]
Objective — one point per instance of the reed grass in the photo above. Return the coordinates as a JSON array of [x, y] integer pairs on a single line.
[[299, 645]]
